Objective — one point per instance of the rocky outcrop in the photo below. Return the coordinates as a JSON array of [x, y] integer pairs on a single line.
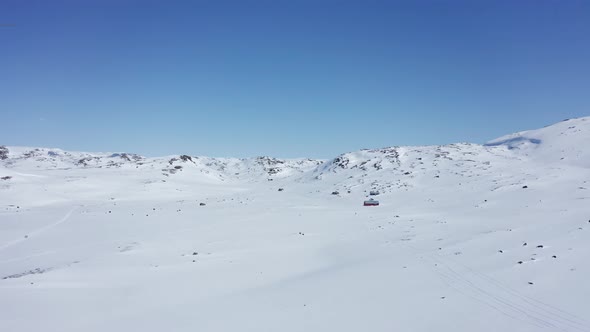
[[3, 152]]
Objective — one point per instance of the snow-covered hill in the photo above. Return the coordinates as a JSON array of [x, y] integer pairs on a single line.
[[467, 237], [221, 168], [566, 142]]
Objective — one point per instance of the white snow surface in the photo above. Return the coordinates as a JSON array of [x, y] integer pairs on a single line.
[[468, 237]]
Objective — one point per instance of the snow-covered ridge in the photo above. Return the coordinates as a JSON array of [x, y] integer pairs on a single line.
[[253, 168], [562, 142]]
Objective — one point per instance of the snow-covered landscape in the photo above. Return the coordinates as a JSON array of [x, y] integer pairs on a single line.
[[466, 237]]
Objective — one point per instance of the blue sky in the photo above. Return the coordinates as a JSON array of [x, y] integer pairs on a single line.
[[286, 78]]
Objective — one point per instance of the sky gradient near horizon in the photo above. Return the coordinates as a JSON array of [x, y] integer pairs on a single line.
[[286, 78]]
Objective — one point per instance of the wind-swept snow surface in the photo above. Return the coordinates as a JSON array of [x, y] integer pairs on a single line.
[[466, 238]]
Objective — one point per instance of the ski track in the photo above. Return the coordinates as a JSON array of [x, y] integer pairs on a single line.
[[502, 298], [38, 230], [29, 175]]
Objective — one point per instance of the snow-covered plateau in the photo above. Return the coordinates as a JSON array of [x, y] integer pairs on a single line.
[[467, 237]]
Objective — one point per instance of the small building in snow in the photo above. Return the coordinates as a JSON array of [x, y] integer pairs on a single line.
[[371, 202], [374, 192]]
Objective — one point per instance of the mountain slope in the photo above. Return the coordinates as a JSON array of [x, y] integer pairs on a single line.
[[467, 237], [564, 141]]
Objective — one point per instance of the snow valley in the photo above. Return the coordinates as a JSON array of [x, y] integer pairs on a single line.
[[466, 237]]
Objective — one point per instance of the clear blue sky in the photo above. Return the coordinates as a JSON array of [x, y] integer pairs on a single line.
[[286, 78]]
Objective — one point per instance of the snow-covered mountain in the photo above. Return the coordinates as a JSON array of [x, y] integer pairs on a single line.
[[467, 237], [221, 168], [564, 142]]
